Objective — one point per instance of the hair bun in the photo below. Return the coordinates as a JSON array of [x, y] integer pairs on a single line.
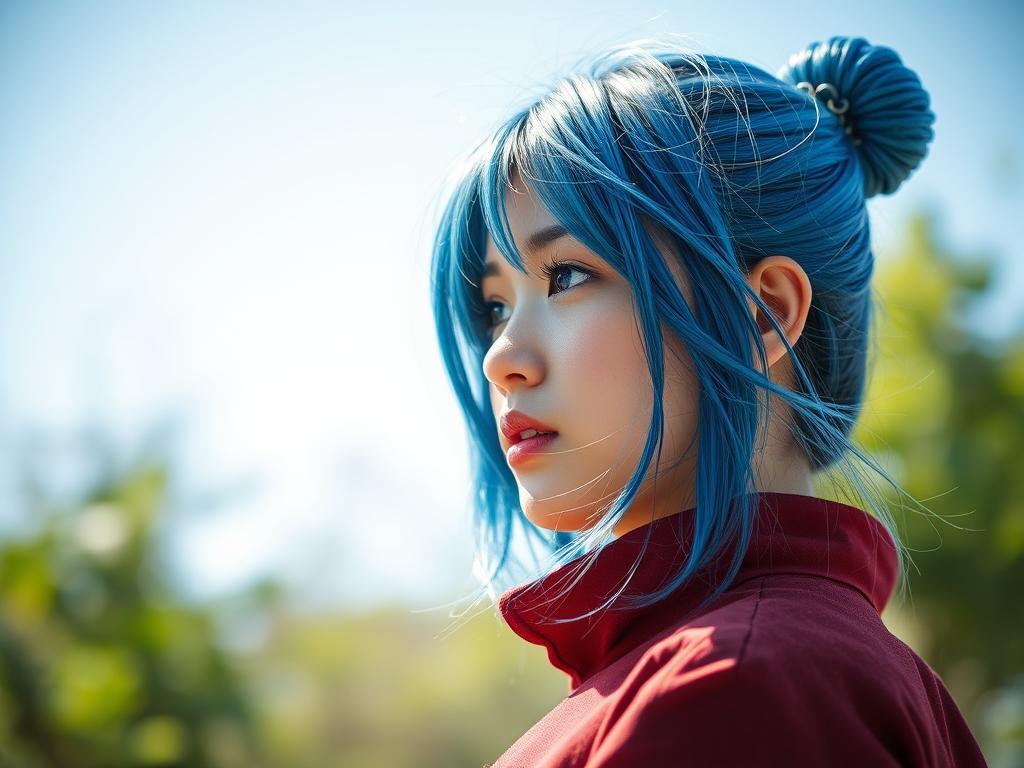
[[881, 102]]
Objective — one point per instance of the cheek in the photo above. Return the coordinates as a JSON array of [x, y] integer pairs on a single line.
[[608, 387], [605, 366]]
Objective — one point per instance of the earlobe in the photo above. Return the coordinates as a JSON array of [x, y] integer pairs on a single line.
[[783, 285]]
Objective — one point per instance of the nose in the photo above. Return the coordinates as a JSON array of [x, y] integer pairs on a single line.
[[514, 360]]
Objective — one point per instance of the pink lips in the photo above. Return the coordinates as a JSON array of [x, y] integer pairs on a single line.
[[531, 446], [513, 424]]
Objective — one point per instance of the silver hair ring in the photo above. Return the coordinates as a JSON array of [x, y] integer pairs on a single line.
[[830, 103], [814, 91]]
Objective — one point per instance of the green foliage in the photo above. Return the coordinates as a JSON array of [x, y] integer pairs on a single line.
[[945, 413], [100, 663], [387, 688]]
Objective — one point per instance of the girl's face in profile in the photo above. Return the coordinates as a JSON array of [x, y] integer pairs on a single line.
[[567, 351]]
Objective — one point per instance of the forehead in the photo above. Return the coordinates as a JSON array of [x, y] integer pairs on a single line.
[[522, 201], [531, 224]]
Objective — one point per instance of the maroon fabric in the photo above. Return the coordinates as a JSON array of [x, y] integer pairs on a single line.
[[792, 666]]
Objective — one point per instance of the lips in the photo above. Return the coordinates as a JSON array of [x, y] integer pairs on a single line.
[[520, 453], [514, 423]]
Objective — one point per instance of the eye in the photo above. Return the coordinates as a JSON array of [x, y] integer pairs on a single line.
[[564, 268], [490, 323], [554, 272]]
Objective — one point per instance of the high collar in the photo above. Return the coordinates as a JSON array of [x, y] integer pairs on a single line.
[[792, 534]]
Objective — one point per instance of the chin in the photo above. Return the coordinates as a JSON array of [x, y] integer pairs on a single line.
[[558, 521]]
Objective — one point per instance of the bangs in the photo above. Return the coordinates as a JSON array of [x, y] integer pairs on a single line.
[[575, 150]]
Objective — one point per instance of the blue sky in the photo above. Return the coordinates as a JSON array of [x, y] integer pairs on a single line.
[[223, 211]]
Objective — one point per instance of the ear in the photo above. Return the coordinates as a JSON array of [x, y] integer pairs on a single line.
[[783, 285]]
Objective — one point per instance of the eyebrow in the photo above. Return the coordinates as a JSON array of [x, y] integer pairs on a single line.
[[534, 242]]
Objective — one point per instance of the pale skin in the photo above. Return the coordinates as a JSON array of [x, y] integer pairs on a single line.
[[568, 352]]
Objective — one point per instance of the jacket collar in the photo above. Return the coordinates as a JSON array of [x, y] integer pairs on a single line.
[[792, 534]]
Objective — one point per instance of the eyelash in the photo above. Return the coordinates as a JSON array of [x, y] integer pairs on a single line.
[[548, 270]]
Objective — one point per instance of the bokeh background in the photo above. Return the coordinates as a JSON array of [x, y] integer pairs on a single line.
[[233, 486]]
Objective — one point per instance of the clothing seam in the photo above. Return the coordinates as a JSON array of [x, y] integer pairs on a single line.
[[663, 685], [833, 579], [753, 617]]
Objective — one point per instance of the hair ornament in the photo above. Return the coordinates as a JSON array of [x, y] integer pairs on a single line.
[[832, 95], [888, 106]]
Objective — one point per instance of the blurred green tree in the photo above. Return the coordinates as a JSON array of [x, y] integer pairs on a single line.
[[945, 413], [101, 663]]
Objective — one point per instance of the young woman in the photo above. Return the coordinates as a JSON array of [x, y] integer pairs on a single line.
[[652, 292]]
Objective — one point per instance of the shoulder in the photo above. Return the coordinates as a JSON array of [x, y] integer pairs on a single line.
[[774, 625], [776, 676]]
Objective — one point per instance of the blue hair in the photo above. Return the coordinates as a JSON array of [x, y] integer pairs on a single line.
[[729, 164]]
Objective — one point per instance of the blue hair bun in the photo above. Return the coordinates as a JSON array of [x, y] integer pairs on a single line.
[[879, 101]]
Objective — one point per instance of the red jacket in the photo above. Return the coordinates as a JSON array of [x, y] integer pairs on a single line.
[[792, 666]]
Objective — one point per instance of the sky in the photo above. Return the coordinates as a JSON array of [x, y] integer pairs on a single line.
[[220, 213]]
